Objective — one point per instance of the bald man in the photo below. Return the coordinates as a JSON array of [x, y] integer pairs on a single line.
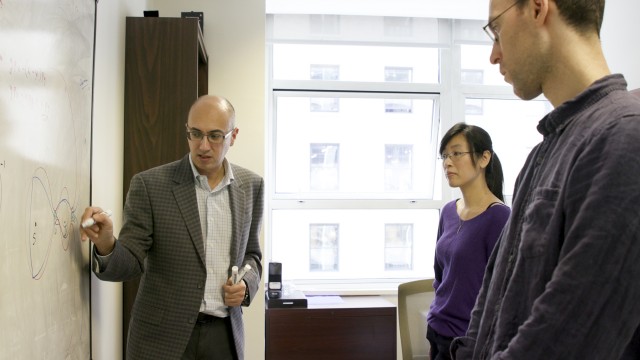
[[186, 224]]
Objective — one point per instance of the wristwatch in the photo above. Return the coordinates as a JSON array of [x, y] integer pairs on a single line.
[[246, 292]]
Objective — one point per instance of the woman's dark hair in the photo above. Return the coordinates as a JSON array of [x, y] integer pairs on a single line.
[[479, 141]]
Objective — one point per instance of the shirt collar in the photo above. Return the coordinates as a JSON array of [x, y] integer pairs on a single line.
[[560, 117], [228, 173]]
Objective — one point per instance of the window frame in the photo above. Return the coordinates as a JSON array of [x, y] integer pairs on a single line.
[[451, 94]]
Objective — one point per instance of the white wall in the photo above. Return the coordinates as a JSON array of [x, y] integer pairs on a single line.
[[107, 163], [234, 33], [619, 35]]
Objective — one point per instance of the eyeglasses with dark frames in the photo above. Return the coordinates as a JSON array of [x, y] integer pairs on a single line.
[[494, 34], [214, 137]]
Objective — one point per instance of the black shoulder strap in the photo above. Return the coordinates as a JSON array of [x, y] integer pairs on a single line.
[[494, 203]]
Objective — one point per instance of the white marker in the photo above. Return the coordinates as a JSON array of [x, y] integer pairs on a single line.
[[244, 270], [234, 274], [91, 221]]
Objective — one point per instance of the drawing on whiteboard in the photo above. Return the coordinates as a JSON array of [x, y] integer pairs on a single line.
[[50, 222]]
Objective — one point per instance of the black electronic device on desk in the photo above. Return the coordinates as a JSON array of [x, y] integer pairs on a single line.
[[279, 296], [274, 284], [287, 299]]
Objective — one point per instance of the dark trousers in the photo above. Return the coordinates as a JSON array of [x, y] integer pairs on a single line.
[[211, 339], [439, 345]]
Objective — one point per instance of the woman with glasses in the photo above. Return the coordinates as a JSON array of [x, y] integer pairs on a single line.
[[468, 230]]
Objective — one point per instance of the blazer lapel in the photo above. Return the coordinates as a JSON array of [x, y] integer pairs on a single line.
[[185, 195], [237, 200]]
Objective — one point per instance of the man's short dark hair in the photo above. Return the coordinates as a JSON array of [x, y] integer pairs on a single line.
[[583, 15]]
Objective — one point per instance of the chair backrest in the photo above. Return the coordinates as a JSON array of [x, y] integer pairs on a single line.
[[414, 299]]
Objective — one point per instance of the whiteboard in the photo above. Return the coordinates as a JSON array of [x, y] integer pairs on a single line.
[[46, 84]]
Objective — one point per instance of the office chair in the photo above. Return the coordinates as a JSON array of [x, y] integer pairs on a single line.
[[414, 299]]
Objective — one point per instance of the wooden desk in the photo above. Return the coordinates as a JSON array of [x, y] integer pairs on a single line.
[[361, 327]]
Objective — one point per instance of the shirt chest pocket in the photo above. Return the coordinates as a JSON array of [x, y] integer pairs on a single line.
[[538, 221]]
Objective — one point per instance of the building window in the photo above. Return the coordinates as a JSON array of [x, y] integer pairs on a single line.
[[403, 106], [398, 167], [398, 247], [400, 74], [473, 106], [323, 247], [324, 172], [324, 104], [324, 72]]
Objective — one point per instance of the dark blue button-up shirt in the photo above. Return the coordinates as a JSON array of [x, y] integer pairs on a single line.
[[564, 281]]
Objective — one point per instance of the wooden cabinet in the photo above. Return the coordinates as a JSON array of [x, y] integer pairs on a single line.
[[358, 328], [166, 70]]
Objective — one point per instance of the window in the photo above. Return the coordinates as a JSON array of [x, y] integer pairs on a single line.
[[352, 152], [356, 118], [368, 244]]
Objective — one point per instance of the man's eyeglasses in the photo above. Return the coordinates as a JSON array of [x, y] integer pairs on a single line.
[[214, 137], [454, 156], [493, 34]]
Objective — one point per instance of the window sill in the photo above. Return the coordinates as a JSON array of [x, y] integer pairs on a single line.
[[346, 289]]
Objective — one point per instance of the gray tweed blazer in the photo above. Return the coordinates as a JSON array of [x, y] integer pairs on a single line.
[[161, 240]]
